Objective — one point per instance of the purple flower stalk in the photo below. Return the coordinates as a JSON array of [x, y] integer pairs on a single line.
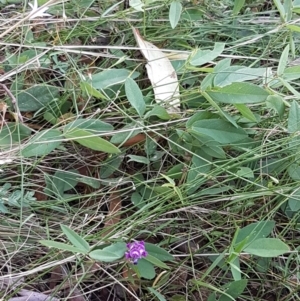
[[135, 251]]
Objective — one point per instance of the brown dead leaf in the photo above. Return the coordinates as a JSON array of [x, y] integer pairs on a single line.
[[57, 275], [114, 213], [39, 189]]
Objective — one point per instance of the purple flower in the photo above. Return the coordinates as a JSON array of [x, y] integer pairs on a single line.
[[135, 251]]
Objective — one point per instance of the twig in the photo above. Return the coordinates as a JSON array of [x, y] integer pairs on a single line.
[[14, 102]]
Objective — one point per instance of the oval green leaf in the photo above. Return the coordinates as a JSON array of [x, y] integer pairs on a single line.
[[267, 247], [158, 252], [61, 246], [234, 289], [202, 57], [239, 93], [114, 252], [160, 112], [255, 231], [13, 133], [88, 140], [220, 130], [135, 96], [156, 262], [159, 296], [36, 97], [75, 239], [90, 90], [111, 77], [283, 60], [42, 144], [65, 179], [139, 159], [91, 125], [235, 74], [145, 269], [175, 13]]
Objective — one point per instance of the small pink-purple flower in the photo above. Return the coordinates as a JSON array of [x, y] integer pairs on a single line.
[[135, 251]]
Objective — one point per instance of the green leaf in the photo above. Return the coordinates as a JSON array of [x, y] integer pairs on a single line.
[[234, 289], [234, 74], [202, 57], [36, 97], [198, 169], [288, 8], [135, 96], [245, 111], [137, 5], [236, 93], [294, 118], [109, 254], [262, 265], [281, 9], [222, 65], [13, 133], [110, 166], [156, 262], [267, 247], [50, 118], [219, 109], [245, 172], [105, 256], [92, 125], [293, 27], [91, 91], [207, 82], [42, 144], [214, 191], [176, 171], [276, 103], [200, 116], [145, 269], [139, 159], [94, 183], [294, 172], [138, 200], [255, 231], [291, 73], [236, 268], [294, 200], [283, 60], [158, 111], [175, 13], [61, 246], [64, 180], [75, 239], [219, 130], [238, 4], [111, 77], [88, 139], [158, 252], [3, 209], [123, 136], [158, 295]]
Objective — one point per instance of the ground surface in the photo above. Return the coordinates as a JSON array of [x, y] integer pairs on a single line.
[[83, 144]]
